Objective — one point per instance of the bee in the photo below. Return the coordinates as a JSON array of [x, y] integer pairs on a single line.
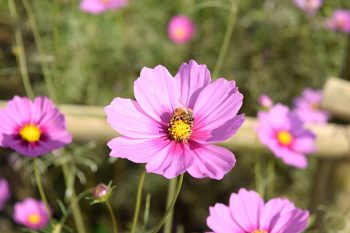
[[183, 113]]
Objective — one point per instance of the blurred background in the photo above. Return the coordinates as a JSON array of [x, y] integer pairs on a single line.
[[275, 48]]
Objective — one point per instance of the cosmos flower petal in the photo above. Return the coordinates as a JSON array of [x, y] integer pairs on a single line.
[[217, 103], [245, 208], [221, 133], [211, 161], [294, 159], [271, 211], [190, 80], [304, 145], [156, 93], [127, 117], [173, 160], [136, 150], [285, 217], [19, 109], [220, 220]]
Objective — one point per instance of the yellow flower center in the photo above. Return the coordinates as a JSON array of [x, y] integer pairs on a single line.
[[105, 1], [259, 231], [34, 219], [30, 133], [180, 32], [284, 138], [180, 125]]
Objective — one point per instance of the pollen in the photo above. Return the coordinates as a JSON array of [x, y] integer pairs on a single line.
[[30, 133], [259, 231], [180, 125], [34, 219], [180, 32], [284, 138]]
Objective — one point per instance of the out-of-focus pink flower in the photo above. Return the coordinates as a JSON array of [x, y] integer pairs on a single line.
[[32, 128], [265, 101], [283, 132], [307, 107], [32, 214], [99, 6], [5, 192], [174, 122], [309, 6], [181, 29], [247, 213], [339, 21]]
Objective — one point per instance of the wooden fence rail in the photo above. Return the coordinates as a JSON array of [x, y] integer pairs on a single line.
[[89, 123]]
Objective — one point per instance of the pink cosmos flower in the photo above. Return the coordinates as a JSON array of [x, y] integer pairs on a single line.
[[339, 21], [307, 107], [32, 128], [265, 101], [309, 6], [247, 213], [4, 192], [174, 121], [181, 29], [99, 6], [283, 132], [31, 213]]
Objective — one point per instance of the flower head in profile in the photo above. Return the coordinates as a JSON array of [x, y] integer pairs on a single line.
[[309, 6], [283, 132], [32, 128], [181, 29], [32, 214], [174, 121], [265, 101], [307, 107], [339, 21], [5, 192], [247, 213], [99, 6]]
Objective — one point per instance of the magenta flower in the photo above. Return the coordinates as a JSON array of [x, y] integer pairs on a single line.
[[99, 6], [339, 21], [247, 213], [31, 213], [181, 29], [283, 132], [32, 128], [309, 6], [174, 121], [265, 101], [307, 107], [5, 192]]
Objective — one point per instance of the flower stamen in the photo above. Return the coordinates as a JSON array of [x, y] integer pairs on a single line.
[[180, 125], [284, 138], [34, 219], [259, 231], [30, 133]]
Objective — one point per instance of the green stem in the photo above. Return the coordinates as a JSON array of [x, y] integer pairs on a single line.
[[138, 202], [170, 208], [271, 178], [40, 187], [111, 213], [20, 53], [226, 42], [37, 38], [171, 190], [258, 176], [78, 219]]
